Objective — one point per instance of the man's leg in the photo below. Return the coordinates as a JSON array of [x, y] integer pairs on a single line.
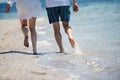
[[25, 32], [68, 31], [32, 23], [58, 35]]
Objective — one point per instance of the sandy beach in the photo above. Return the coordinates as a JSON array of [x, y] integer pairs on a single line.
[[96, 32], [15, 62], [11, 36]]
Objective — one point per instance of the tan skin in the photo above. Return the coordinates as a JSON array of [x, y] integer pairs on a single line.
[[66, 26], [24, 22]]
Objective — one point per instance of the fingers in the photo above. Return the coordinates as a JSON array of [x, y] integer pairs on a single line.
[[7, 8], [75, 7]]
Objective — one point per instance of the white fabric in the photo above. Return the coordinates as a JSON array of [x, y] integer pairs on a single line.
[[11, 2], [55, 3], [27, 8]]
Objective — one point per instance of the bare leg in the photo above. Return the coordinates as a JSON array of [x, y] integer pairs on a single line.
[[58, 36], [68, 31], [25, 32], [32, 23]]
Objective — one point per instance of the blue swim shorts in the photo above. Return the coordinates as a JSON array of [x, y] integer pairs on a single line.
[[56, 13]]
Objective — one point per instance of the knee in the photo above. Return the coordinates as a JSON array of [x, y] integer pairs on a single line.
[[24, 28], [31, 29], [24, 25], [57, 32], [67, 28], [65, 24]]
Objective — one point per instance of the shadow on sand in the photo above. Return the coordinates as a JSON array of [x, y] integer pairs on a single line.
[[27, 53], [21, 52]]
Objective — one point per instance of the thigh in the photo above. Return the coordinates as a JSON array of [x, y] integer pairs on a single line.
[[23, 22], [56, 27], [32, 22], [65, 25]]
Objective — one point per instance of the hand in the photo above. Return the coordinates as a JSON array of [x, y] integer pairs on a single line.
[[75, 7], [7, 8]]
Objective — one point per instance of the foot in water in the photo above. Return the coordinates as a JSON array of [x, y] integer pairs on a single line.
[[72, 42], [35, 52], [60, 52], [26, 43]]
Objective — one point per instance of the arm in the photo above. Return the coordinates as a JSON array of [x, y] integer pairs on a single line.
[[10, 2], [7, 8], [75, 6]]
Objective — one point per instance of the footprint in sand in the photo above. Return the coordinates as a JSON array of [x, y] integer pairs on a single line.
[[38, 73]]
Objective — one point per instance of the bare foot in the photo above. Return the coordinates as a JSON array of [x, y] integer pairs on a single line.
[[26, 43], [60, 52], [72, 42]]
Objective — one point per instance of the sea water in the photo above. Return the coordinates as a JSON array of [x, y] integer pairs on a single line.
[[96, 29]]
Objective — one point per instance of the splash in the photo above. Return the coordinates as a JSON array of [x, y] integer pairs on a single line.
[[77, 50]]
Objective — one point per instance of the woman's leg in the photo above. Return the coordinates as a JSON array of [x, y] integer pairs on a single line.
[[32, 23], [25, 32]]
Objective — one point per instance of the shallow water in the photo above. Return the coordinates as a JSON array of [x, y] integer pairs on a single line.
[[96, 29], [85, 66]]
